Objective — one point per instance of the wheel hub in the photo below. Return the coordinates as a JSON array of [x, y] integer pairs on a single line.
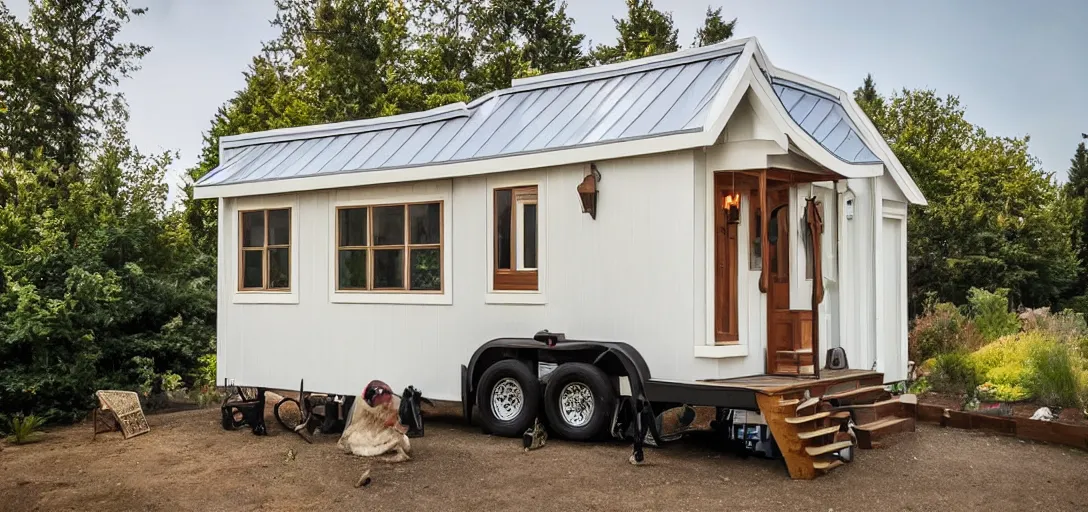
[[576, 404], [507, 399]]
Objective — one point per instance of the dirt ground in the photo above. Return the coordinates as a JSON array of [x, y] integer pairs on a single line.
[[187, 462]]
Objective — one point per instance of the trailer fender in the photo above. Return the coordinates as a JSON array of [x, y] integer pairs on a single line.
[[611, 356]]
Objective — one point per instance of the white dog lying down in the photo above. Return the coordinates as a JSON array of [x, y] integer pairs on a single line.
[[374, 428]]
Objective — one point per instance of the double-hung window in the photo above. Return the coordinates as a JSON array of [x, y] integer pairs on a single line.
[[265, 258], [516, 239], [394, 247]]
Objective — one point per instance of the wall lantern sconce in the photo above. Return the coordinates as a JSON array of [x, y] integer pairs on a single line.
[[731, 206], [587, 190]]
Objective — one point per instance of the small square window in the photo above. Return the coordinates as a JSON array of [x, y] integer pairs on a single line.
[[265, 260]]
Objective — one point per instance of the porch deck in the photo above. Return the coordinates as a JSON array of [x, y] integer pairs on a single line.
[[740, 392], [783, 384]]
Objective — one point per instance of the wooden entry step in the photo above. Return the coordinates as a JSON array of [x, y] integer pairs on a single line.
[[869, 433], [807, 419], [871, 413], [818, 433], [814, 451], [866, 394]]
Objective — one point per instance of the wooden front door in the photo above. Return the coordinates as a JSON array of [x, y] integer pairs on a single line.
[[789, 343]]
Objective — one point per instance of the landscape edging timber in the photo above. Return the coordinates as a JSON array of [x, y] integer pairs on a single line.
[[1021, 428]]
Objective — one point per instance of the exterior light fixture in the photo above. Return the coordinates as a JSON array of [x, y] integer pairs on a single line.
[[731, 205], [587, 191]]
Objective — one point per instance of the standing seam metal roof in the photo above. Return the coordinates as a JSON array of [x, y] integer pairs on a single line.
[[822, 116], [645, 101]]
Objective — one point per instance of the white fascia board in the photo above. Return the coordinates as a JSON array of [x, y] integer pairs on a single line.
[[870, 135], [450, 111], [636, 147], [764, 95]]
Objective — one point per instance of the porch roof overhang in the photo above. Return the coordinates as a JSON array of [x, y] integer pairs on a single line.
[[660, 104]]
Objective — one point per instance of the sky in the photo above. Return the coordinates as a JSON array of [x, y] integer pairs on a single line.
[[1019, 67]]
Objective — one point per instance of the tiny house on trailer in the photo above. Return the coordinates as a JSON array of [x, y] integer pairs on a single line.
[[719, 221]]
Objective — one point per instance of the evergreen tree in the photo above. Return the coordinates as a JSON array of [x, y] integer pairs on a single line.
[[1076, 189], [715, 29], [644, 32], [994, 219], [868, 98]]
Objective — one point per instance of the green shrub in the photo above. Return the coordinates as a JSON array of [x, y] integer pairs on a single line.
[[990, 313], [1056, 375], [953, 373], [171, 381], [941, 329], [1066, 326], [24, 429], [1001, 392], [204, 391]]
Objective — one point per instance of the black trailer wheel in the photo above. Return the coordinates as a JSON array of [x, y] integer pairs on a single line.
[[509, 398], [579, 401]]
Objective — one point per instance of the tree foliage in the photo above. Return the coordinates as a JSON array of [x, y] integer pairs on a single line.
[[715, 29], [644, 32], [994, 219], [100, 284]]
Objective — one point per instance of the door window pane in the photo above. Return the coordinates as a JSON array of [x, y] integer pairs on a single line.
[[253, 229], [528, 237], [253, 269], [503, 203], [352, 227], [352, 269], [279, 268], [388, 224], [389, 268], [279, 227], [424, 223], [426, 269]]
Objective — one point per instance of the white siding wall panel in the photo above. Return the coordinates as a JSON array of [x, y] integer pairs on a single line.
[[626, 276]]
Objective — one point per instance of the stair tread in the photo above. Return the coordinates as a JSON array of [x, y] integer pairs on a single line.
[[818, 433], [806, 419], [828, 448], [787, 403], [840, 415], [873, 405], [826, 465], [880, 424], [808, 403], [853, 392]]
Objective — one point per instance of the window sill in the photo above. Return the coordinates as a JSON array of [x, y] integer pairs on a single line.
[[436, 299], [265, 298], [513, 297], [721, 351]]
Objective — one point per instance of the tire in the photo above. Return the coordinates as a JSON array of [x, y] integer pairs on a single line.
[[579, 379], [504, 418]]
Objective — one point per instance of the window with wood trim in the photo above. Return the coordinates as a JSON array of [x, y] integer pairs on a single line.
[[264, 262], [726, 226], [516, 239], [383, 248]]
